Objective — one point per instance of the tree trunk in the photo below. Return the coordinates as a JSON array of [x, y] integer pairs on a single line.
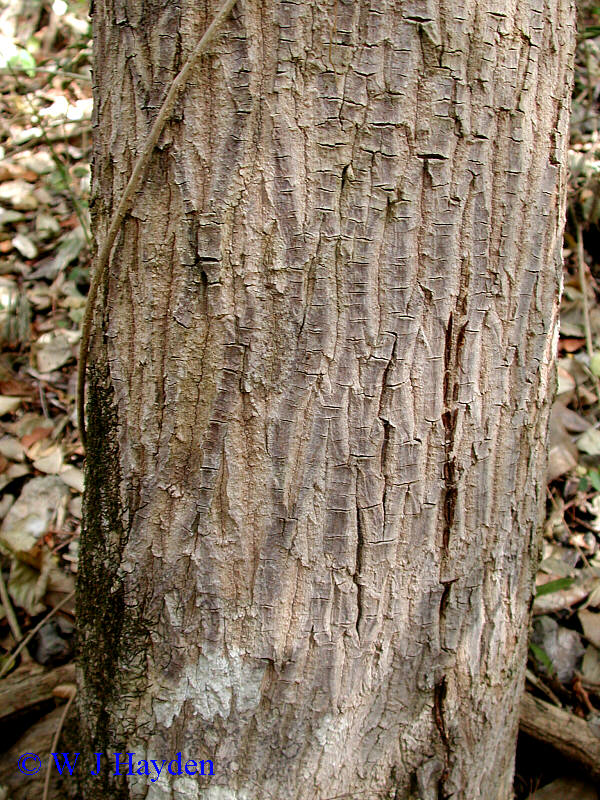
[[319, 394]]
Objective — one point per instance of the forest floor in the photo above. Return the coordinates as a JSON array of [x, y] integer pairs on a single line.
[[45, 250]]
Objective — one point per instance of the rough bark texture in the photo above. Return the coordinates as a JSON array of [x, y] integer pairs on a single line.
[[319, 393]]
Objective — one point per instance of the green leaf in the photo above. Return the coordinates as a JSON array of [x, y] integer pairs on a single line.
[[595, 364], [554, 586], [594, 477], [24, 61], [590, 32], [541, 656]]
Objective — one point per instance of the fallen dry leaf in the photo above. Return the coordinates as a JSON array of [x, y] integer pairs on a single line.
[[54, 349], [571, 345], [51, 462], [16, 388], [19, 195], [36, 435], [10, 171], [73, 477], [12, 473], [32, 513], [589, 442], [11, 448], [590, 666], [25, 246], [590, 622], [566, 382], [8, 404]]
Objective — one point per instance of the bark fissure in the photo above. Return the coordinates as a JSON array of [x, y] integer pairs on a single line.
[[439, 697], [357, 574]]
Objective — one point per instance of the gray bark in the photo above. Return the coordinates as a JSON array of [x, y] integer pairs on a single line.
[[319, 393]]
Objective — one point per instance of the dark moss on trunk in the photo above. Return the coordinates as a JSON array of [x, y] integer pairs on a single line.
[[108, 636]]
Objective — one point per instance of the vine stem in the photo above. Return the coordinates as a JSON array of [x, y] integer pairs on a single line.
[[127, 199]]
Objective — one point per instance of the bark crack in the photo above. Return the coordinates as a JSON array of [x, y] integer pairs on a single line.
[[439, 696], [356, 577]]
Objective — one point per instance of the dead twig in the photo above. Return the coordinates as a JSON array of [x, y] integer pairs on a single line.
[[562, 730], [11, 617], [24, 642], [54, 744]]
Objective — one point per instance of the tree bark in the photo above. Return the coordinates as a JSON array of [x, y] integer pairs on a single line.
[[319, 394]]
